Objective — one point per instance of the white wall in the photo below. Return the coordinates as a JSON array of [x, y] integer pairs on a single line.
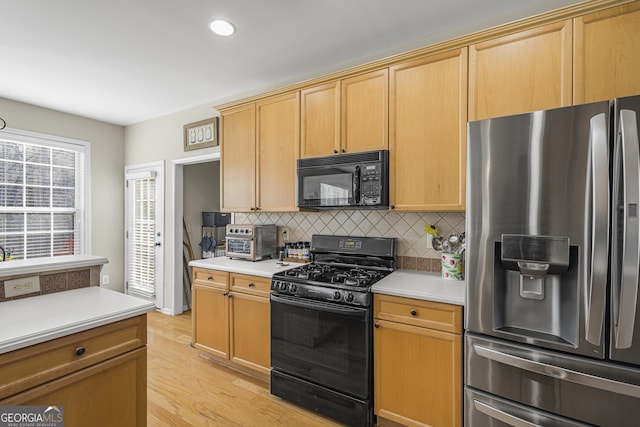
[[107, 182], [161, 139]]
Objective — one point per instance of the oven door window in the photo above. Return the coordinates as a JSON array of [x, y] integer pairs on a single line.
[[328, 187], [325, 343], [239, 246]]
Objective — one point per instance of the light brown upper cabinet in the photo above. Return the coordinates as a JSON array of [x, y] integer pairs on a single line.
[[346, 116], [525, 71], [278, 149], [259, 149], [427, 132], [365, 112], [238, 159], [320, 120], [607, 54]]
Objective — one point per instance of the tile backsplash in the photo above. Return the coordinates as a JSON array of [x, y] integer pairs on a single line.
[[408, 227]]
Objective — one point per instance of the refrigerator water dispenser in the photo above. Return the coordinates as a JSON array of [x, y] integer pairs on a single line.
[[537, 287]]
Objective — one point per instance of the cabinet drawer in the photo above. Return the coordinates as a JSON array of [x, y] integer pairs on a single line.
[[253, 285], [427, 314], [31, 366], [214, 278]]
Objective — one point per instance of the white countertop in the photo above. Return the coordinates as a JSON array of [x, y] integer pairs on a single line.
[[34, 320], [264, 268], [36, 265], [421, 285]]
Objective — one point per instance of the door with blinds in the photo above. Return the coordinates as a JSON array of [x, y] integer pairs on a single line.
[[144, 231]]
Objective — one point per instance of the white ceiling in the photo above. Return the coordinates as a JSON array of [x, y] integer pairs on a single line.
[[127, 61]]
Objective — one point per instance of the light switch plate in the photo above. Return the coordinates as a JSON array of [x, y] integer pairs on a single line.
[[22, 286]]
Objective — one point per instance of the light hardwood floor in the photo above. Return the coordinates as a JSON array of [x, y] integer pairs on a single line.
[[186, 389]]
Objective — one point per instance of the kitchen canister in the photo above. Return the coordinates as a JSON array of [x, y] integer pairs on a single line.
[[452, 266]]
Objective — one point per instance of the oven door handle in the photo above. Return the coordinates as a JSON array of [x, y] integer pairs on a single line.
[[319, 305]]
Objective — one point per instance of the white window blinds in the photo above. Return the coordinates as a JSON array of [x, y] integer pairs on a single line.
[[42, 195], [141, 236]]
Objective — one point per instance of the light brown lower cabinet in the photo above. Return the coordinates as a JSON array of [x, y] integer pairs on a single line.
[[417, 362], [231, 318], [98, 376]]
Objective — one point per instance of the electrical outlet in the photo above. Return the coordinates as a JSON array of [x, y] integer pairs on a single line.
[[105, 279], [22, 286], [283, 235], [429, 241]]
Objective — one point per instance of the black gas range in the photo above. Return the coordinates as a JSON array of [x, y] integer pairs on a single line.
[[321, 327]]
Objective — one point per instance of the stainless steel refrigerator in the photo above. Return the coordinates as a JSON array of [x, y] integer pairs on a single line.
[[552, 261]]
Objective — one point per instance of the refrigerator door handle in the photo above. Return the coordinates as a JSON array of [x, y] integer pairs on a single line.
[[558, 372], [598, 138], [501, 415], [628, 296]]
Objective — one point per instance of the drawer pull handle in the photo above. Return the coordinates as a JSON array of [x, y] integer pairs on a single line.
[[210, 278], [251, 285], [80, 351], [413, 312]]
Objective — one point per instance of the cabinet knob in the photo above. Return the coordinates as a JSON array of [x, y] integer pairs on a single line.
[[343, 150], [252, 209], [392, 207], [413, 312], [335, 151], [251, 285], [210, 278], [80, 351], [376, 325], [257, 208], [230, 295], [224, 294]]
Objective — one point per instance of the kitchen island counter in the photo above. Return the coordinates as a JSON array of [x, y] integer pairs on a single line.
[[41, 318], [266, 268], [422, 285]]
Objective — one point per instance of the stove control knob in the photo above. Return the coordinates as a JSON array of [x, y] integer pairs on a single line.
[[293, 288], [337, 295], [274, 285], [349, 297], [283, 286]]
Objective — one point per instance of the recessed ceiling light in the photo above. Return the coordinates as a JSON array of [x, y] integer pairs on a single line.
[[222, 28]]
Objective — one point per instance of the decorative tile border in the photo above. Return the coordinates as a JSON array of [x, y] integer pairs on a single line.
[[56, 282], [430, 265]]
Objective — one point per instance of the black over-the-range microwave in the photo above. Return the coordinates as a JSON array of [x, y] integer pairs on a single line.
[[345, 181]]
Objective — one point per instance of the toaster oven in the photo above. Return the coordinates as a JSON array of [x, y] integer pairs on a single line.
[[251, 242]]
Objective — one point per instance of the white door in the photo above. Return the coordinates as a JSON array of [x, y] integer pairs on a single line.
[[144, 204]]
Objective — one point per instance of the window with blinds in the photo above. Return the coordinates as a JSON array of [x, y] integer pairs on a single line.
[[42, 195], [141, 235]]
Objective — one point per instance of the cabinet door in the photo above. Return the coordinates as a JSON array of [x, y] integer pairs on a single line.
[[320, 120], [211, 320], [238, 160], [427, 131], [250, 332], [365, 112], [607, 59], [111, 393], [278, 148], [521, 72], [417, 375]]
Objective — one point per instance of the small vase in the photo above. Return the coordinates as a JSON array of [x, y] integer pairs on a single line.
[[452, 266]]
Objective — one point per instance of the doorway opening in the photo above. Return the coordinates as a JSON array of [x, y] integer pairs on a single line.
[[195, 190]]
